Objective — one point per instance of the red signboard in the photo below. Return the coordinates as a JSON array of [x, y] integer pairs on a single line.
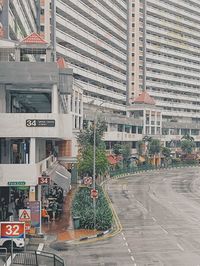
[[94, 193], [12, 230], [43, 180]]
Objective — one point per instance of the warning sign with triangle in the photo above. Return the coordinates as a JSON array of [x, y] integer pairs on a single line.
[[24, 215]]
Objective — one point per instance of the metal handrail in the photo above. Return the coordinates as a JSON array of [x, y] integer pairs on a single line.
[[4, 254]]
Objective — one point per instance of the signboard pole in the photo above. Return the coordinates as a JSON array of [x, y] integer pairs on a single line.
[[39, 199], [11, 251]]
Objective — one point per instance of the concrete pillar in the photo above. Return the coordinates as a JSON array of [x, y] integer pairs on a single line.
[[32, 151], [55, 99]]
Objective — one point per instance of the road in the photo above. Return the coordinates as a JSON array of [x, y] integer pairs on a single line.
[[160, 215]]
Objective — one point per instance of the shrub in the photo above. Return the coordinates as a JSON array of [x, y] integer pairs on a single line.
[[82, 207]]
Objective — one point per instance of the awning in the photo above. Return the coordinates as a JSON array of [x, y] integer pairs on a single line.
[[61, 177]]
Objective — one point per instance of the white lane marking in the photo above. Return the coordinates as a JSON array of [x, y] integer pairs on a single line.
[[129, 250], [154, 219], [179, 246], [164, 230], [122, 233], [132, 258], [124, 238], [126, 244]]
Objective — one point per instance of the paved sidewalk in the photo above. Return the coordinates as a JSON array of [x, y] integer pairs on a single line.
[[62, 229]]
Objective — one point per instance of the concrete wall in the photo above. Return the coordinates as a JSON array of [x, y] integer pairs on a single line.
[[14, 125]]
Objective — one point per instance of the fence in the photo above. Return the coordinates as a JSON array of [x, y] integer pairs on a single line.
[[37, 258], [143, 168]]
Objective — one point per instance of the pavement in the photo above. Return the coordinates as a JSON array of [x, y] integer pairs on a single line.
[[58, 231], [62, 229]]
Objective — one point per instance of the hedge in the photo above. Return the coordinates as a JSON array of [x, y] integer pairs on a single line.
[[82, 207]]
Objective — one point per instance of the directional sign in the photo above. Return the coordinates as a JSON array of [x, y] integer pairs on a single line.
[[87, 180], [12, 230], [24, 215], [94, 194], [43, 180]]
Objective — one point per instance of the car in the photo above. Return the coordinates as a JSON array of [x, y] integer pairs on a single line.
[[18, 243]]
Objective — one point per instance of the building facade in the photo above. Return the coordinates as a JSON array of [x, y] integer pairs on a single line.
[[164, 60]]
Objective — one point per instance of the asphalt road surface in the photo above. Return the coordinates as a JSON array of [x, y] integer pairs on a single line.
[[160, 216]]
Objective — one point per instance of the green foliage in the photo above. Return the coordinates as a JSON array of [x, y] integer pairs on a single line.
[[124, 150], [187, 137], [154, 146], [117, 149], [166, 151], [86, 152], [187, 146], [85, 162], [82, 207], [86, 137]]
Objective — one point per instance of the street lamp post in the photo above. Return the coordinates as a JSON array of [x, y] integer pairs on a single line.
[[94, 171], [94, 166]]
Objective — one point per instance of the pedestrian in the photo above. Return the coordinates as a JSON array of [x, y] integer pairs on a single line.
[[54, 207]]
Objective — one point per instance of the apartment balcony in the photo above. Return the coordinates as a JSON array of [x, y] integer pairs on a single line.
[[170, 52], [109, 15], [179, 113], [98, 46], [172, 25], [29, 14], [172, 87], [171, 43], [121, 136], [118, 11], [67, 25], [97, 78], [36, 125], [89, 52], [175, 36], [26, 173], [165, 6], [90, 63], [90, 14], [108, 105], [21, 16], [172, 61], [102, 91], [171, 78], [173, 70], [174, 95]]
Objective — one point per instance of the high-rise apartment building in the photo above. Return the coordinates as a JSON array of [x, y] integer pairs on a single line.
[[164, 54], [92, 38], [18, 18]]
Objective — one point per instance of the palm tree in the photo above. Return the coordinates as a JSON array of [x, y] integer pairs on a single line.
[[187, 137]]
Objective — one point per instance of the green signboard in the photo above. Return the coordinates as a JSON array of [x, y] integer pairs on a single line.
[[17, 183]]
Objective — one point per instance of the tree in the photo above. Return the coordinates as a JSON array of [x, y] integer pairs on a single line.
[[86, 137], [154, 146], [124, 150], [126, 153], [187, 146], [187, 137], [86, 152], [166, 152], [85, 162], [117, 149]]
